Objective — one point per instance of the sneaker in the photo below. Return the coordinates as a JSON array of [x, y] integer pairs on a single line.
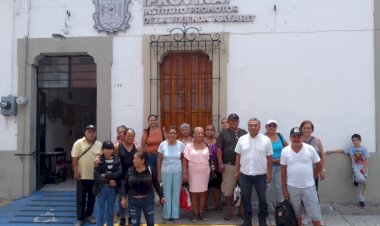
[[361, 204], [306, 219], [79, 223], [91, 220]]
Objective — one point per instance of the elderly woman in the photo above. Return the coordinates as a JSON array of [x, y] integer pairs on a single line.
[[170, 173], [196, 171], [307, 128], [185, 136], [120, 131], [139, 188], [278, 143]]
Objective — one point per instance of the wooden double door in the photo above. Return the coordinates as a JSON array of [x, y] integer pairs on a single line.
[[186, 89]]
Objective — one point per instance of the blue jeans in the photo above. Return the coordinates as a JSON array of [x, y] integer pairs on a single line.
[[122, 211], [246, 184], [105, 199], [171, 183], [146, 204], [152, 163], [362, 181]]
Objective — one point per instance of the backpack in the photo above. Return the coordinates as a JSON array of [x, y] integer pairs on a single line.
[[284, 214]]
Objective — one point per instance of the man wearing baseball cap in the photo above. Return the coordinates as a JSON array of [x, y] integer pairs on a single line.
[[226, 154], [297, 176], [83, 153]]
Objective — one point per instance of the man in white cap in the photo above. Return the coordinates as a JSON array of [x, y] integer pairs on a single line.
[[297, 177], [84, 152]]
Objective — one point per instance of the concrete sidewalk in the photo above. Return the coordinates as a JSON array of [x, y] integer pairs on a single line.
[[55, 204]]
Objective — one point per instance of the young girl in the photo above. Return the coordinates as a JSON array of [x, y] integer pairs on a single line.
[[107, 176]]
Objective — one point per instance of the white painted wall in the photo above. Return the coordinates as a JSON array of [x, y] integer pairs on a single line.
[[127, 100], [309, 60], [8, 84]]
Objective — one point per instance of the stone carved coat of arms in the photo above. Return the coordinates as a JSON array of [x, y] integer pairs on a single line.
[[111, 15]]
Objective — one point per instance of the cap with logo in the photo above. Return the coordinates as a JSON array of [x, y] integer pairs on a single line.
[[295, 131]]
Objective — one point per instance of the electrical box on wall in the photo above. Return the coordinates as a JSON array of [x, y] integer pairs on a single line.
[[8, 106]]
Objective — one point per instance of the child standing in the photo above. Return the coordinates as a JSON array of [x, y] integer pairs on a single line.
[[107, 176], [359, 156]]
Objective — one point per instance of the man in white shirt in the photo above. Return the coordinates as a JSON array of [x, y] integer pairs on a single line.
[[297, 177], [254, 162]]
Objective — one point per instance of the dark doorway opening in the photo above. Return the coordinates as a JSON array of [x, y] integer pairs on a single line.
[[66, 102]]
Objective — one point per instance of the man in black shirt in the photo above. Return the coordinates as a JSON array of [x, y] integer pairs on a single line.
[[226, 143]]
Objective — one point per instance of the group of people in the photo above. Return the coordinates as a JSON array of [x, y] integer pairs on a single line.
[[127, 173]]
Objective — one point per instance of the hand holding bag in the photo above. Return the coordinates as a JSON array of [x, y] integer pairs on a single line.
[[184, 199]]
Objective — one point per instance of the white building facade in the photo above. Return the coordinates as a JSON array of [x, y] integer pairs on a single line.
[[285, 59]]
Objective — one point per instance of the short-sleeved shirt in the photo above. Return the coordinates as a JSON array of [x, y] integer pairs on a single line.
[[299, 165], [358, 156], [171, 162], [253, 154], [86, 162], [227, 141]]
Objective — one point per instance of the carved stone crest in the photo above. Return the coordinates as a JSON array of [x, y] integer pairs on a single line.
[[111, 15]]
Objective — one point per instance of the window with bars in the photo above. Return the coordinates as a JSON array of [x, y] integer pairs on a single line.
[[66, 72]]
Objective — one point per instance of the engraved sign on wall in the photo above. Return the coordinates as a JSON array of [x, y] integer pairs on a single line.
[[111, 15], [192, 11]]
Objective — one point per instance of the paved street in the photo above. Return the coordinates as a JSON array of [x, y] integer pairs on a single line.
[[55, 204]]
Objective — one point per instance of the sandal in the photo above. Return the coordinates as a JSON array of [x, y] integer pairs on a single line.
[[202, 217], [228, 217], [194, 218]]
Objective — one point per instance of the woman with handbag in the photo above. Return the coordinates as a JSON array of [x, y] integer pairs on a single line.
[[196, 171], [215, 181], [169, 172]]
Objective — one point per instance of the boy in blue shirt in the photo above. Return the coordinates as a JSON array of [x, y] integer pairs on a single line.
[[359, 157]]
